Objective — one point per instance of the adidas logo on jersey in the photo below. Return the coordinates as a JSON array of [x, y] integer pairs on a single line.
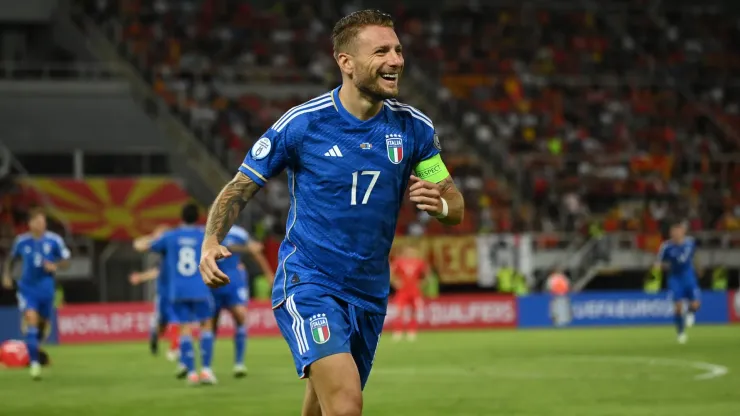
[[334, 152]]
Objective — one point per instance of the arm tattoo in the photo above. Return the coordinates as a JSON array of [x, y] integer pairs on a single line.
[[454, 199], [228, 204]]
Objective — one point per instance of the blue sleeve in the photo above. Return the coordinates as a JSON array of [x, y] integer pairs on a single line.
[[273, 152], [15, 251], [159, 245], [62, 252], [427, 141], [662, 253], [240, 235]]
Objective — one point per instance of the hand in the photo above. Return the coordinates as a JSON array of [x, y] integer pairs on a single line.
[[7, 282], [50, 267], [426, 196], [212, 275], [134, 278]]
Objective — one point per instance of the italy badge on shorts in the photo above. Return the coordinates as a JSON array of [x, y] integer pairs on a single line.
[[394, 145], [320, 328]]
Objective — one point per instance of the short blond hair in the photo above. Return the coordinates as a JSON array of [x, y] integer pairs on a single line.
[[346, 29]]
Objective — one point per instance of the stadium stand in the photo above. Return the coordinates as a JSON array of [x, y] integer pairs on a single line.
[[588, 107]]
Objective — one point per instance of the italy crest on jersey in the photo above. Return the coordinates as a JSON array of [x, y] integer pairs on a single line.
[[394, 145], [320, 328]]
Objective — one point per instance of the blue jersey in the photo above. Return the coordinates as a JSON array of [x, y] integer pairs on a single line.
[[180, 250], [679, 258], [347, 179], [35, 281], [163, 280], [237, 236]]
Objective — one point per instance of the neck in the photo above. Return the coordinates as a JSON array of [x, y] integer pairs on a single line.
[[37, 234], [357, 103]]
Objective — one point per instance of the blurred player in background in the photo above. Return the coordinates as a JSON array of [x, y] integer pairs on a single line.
[[408, 272], [234, 296], [161, 323], [350, 155], [14, 354], [677, 256], [42, 253], [192, 304]]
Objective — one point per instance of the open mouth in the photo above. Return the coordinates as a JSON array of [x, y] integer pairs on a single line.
[[389, 77]]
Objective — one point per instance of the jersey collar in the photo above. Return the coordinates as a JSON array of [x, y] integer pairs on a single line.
[[346, 114]]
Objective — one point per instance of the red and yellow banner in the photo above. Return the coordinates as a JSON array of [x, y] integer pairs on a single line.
[[111, 208], [454, 259]]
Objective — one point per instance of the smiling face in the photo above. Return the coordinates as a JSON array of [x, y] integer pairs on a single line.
[[377, 63], [369, 53]]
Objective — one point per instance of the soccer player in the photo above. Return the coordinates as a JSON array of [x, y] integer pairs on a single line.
[[408, 271], [677, 256], [43, 253], [162, 308], [233, 297], [350, 155], [192, 304]]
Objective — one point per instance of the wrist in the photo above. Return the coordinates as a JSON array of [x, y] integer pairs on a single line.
[[445, 210]]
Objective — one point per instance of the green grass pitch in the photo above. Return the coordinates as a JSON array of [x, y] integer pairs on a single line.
[[591, 372]]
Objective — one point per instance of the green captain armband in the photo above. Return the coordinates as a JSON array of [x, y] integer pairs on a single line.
[[432, 170]]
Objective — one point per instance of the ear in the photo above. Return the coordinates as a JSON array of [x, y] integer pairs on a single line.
[[344, 60]]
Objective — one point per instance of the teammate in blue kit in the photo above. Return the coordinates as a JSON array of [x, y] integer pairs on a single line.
[[43, 253], [161, 323], [233, 297], [350, 155], [677, 256], [191, 299]]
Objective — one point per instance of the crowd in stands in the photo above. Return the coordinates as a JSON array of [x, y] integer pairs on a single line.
[[550, 118]]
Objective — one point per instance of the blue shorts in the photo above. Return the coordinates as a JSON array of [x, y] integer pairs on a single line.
[[192, 311], [316, 325], [162, 310], [683, 290], [44, 306], [230, 298]]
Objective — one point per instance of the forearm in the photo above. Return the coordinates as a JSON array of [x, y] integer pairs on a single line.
[[8, 267], [228, 204], [62, 264], [455, 202], [142, 244], [263, 263], [150, 274]]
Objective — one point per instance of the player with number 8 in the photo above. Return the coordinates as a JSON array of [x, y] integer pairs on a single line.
[[192, 304]]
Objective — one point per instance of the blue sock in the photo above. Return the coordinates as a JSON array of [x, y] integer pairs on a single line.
[[240, 344], [32, 343], [186, 352], [678, 319], [206, 348]]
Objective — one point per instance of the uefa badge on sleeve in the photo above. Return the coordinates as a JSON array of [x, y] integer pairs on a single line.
[[394, 145], [262, 148], [320, 328]]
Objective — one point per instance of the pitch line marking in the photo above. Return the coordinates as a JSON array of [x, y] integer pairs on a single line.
[[710, 370]]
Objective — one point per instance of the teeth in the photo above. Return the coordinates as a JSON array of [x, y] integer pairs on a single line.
[[389, 76]]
